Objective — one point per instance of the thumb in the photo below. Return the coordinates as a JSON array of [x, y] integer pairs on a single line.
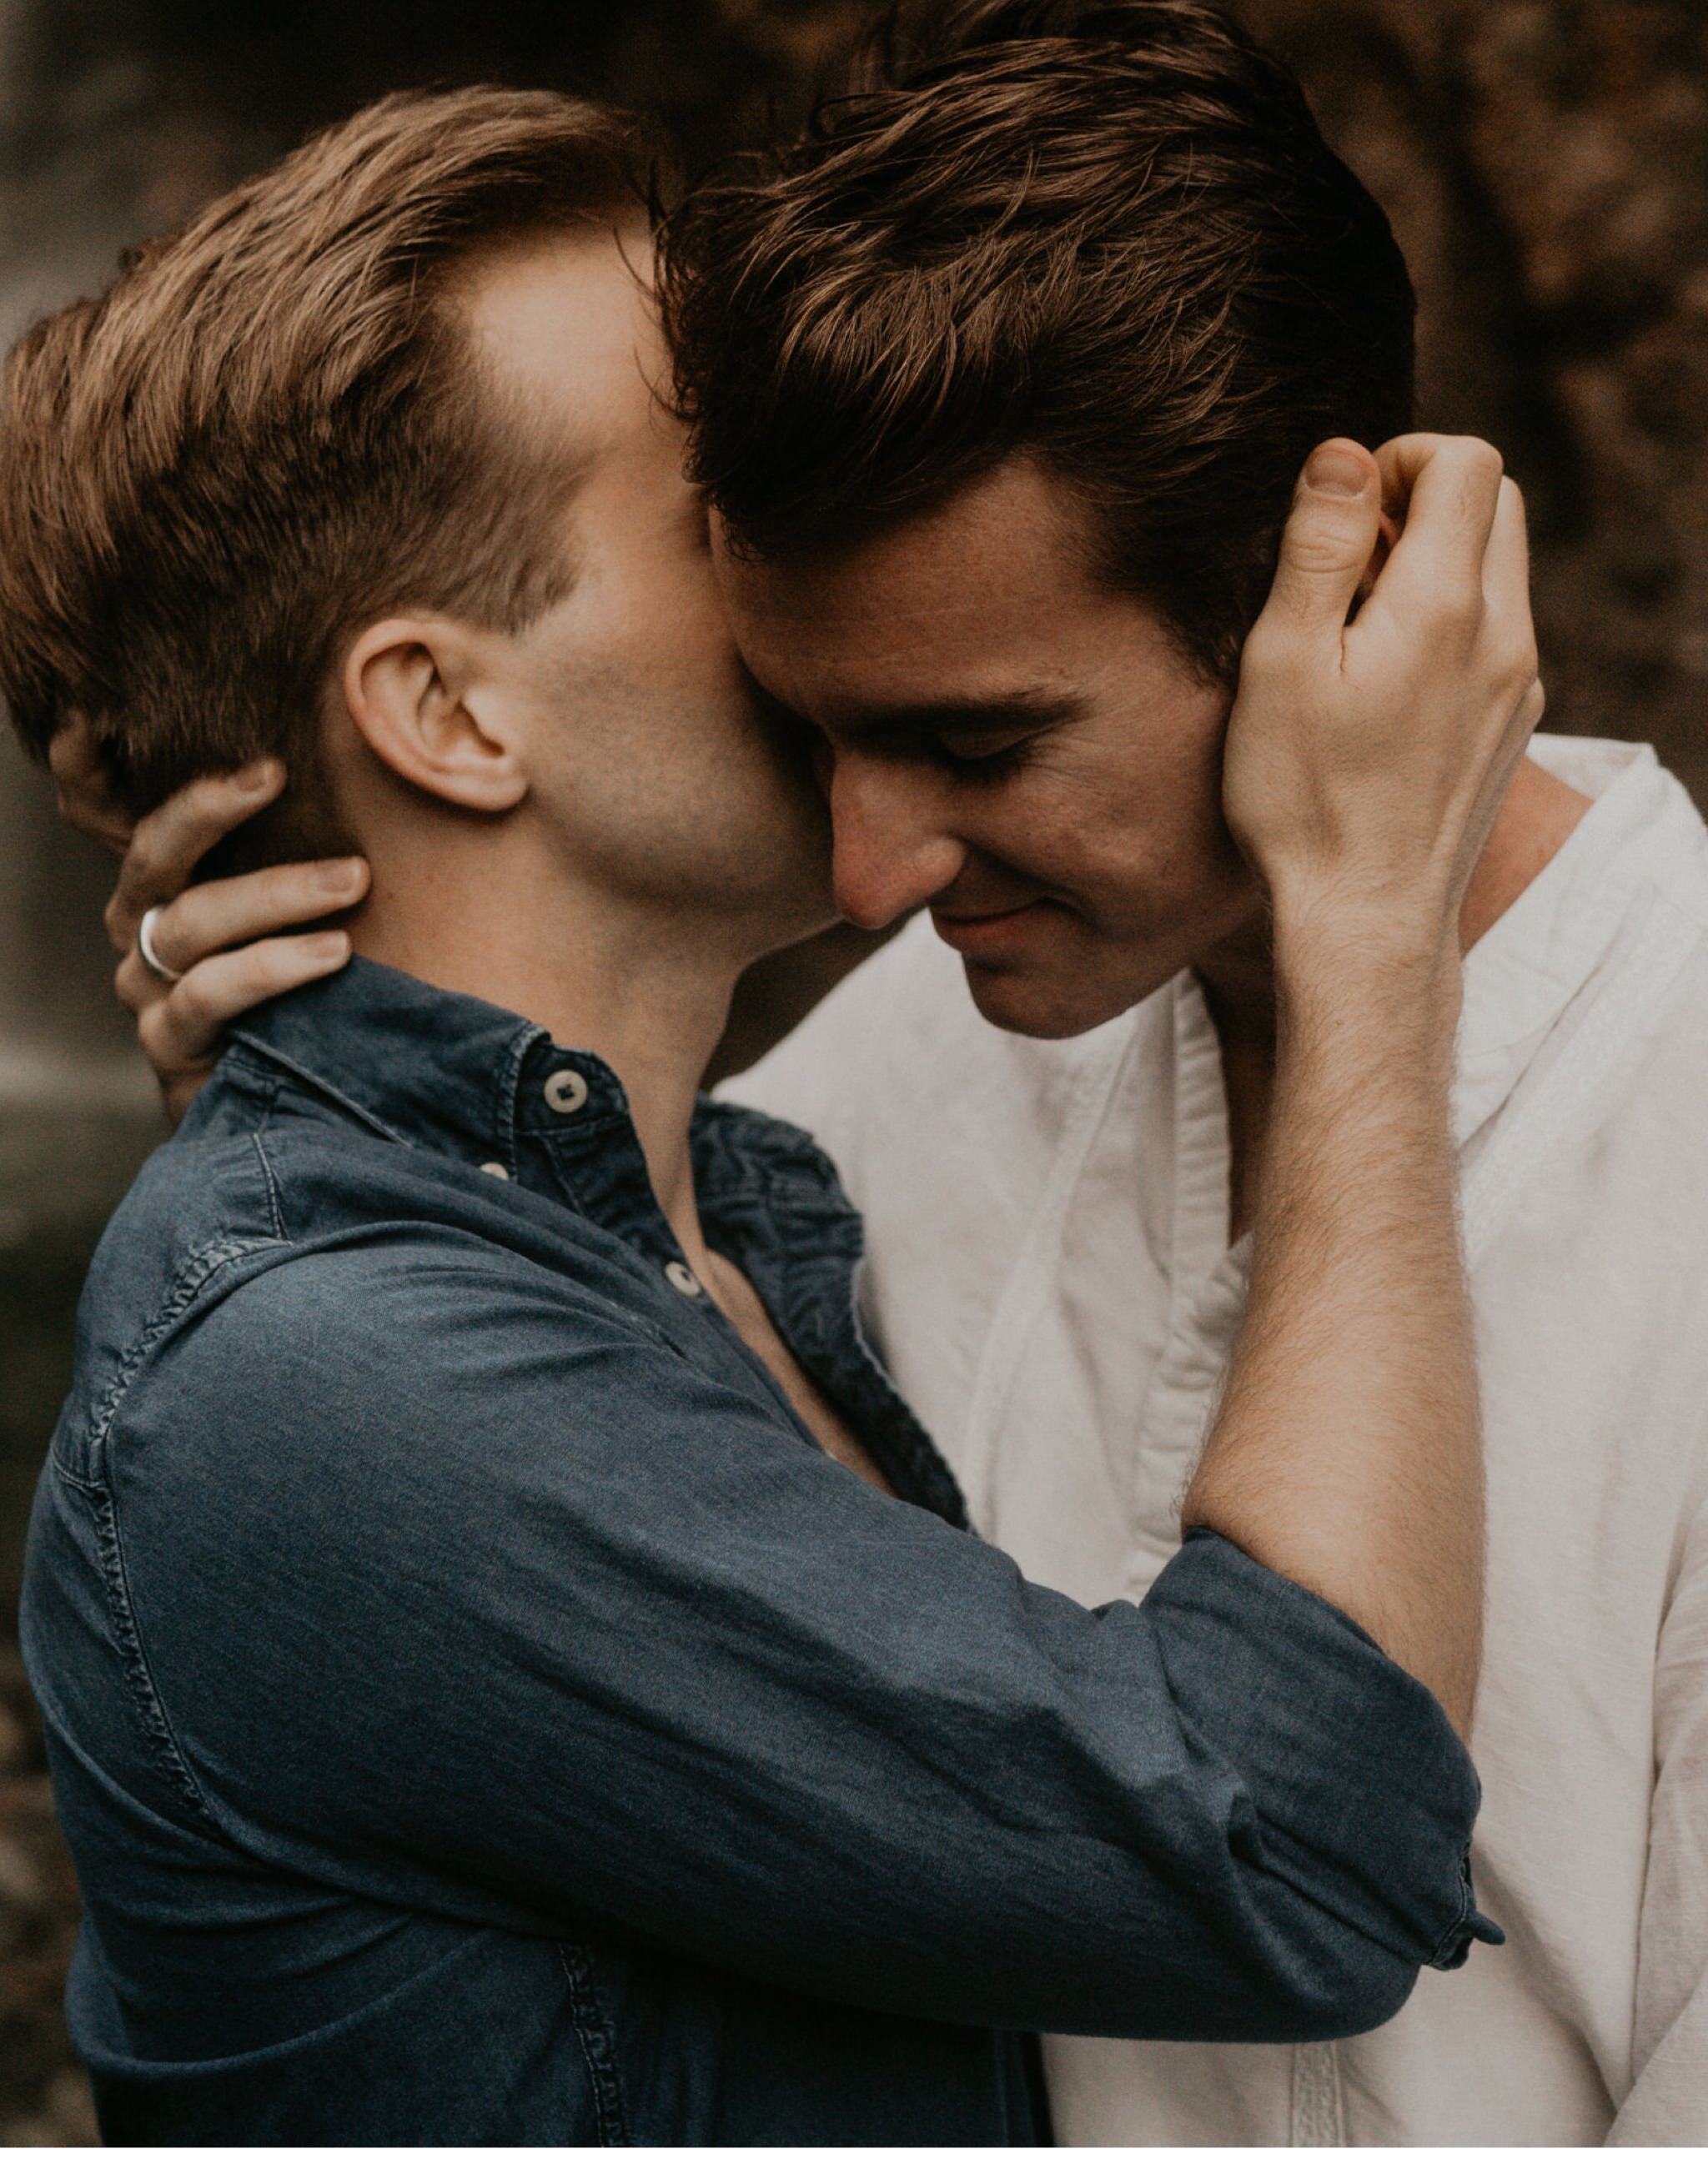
[[1330, 536]]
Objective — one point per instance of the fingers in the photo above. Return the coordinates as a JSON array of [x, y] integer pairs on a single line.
[[1448, 488], [169, 844], [180, 1025], [85, 794], [1506, 562], [1327, 546], [231, 912]]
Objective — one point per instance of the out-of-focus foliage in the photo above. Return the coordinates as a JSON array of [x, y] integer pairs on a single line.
[[1545, 163]]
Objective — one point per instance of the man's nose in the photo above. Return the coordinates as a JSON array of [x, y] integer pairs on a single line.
[[893, 848]]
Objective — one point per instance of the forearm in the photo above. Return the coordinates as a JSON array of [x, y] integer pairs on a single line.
[[1347, 1454]]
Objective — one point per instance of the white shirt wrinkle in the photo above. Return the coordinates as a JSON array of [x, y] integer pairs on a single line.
[[1050, 1282]]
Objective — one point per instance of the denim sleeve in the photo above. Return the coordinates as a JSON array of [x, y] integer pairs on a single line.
[[457, 1589]]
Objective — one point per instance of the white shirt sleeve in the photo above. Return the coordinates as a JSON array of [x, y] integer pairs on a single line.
[[1668, 2105]]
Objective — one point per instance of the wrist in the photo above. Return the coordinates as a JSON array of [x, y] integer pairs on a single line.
[[1372, 1003]]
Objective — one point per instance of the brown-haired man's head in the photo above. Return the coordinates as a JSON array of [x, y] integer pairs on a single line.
[[1107, 233], [1000, 380]]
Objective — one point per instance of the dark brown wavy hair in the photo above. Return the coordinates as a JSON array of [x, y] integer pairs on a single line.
[[1105, 232]]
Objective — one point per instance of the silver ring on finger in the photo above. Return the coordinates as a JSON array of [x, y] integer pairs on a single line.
[[145, 948]]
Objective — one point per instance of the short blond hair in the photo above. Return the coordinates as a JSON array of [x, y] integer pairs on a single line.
[[271, 427]]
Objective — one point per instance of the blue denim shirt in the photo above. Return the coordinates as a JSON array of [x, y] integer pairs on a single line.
[[481, 1713]]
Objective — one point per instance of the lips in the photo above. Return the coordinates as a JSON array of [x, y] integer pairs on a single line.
[[992, 933]]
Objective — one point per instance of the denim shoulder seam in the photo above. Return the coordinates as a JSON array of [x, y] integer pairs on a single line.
[[274, 1205], [146, 1700], [202, 1263], [197, 1270], [594, 2033]]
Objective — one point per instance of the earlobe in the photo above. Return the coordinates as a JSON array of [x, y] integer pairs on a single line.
[[413, 690]]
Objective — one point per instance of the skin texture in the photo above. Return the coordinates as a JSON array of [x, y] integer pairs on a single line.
[[592, 825], [1101, 831]]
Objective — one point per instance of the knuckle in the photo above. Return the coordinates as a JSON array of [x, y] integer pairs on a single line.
[[142, 859], [154, 1034], [1320, 547], [1270, 649], [193, 1012], [1456, 602], [1320, 556], [1481, 458]]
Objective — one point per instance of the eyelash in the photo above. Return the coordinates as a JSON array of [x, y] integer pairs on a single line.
[[986, 766]]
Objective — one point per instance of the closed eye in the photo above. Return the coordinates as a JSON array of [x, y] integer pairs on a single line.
[[982, 754]]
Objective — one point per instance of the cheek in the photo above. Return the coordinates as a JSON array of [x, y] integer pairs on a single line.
[[1132, 849]]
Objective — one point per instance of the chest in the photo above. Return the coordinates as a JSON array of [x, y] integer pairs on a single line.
[[817, 1412]]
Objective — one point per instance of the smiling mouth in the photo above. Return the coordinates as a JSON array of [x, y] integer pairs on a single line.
[[987, 931]]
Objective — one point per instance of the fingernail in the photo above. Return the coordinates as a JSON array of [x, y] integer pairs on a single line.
[[340, 877], [260, 775], [1335, 472], [326, 946]]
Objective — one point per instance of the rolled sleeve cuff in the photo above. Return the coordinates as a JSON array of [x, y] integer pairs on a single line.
[[1365, 1798]]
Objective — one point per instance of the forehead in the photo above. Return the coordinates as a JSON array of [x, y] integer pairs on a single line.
[[986, 592]]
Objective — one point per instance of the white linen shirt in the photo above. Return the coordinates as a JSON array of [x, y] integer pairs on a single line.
[[1048, 1279]]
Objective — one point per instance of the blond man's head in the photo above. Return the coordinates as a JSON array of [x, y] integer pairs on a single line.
[[272, 427]]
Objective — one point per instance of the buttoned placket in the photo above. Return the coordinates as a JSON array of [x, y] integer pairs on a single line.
[[595, 1158], [1209, 1283], [581, 1133]]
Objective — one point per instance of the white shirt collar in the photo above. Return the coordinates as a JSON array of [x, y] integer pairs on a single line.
[[1525, 971]]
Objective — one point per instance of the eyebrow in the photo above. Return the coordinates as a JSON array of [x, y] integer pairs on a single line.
[[1009, 709]]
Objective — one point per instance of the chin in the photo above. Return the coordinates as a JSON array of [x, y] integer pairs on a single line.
[[1028, 1002]]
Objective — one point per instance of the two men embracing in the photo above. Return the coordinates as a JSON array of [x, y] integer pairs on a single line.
[[517, 1658]]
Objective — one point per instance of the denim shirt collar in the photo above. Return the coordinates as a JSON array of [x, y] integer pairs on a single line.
[[444, 1072]]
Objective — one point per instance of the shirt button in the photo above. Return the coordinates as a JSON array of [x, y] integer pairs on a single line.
[[566, 1091], [497, 1171], [683, 1279]]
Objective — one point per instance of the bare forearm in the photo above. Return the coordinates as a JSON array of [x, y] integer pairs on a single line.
[[1347, 1454]]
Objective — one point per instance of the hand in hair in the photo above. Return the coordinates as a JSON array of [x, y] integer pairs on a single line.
[[1370, 746]]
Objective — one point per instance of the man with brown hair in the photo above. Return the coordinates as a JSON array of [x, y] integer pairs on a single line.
[[999, 378], [514, 1668]]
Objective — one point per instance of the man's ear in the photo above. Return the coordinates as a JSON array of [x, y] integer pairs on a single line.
[[415, 690]]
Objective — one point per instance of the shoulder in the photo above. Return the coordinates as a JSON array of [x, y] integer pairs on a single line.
[[256, 1295]]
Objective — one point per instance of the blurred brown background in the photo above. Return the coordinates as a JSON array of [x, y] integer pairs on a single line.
[[1545, 163]]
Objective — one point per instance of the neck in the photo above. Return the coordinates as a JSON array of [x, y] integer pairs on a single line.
[[483, 912], [1534, 823]]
